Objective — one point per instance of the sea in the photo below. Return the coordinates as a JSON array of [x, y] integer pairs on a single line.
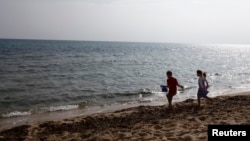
[[41, 77]]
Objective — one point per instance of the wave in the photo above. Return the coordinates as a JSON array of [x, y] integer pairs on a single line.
[[16, 113], [62, 108], [125, 94], [45, 109]]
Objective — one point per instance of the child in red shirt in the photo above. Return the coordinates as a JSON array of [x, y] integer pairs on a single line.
[[172, 84]]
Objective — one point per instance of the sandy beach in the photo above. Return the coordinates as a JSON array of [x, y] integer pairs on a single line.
[[143, 123]]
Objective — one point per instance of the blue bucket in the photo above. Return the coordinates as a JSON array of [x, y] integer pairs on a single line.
[[164, 88]]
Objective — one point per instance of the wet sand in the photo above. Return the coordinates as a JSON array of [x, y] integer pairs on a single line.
[[143, 123]]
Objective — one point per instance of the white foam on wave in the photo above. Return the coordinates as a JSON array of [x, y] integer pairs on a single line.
[[16, 113], [63, 108]]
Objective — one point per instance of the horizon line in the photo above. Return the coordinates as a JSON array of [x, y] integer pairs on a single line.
[[78, 40]]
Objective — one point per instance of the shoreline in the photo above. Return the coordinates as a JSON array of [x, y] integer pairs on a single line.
[[10, 122], [141, 122], [32, 118]]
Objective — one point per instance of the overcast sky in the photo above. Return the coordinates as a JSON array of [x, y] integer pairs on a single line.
[[181, 21]]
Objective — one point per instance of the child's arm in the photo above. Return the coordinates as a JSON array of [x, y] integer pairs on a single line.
[[206, 83], [181, 86]]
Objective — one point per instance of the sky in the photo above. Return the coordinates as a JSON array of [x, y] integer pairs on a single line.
[[178, 21]]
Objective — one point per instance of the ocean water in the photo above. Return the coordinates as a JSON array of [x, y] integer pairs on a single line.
[[39, 76]]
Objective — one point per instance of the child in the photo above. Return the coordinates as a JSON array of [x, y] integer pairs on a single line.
[[202, 90], [205, 75], [172, 84]]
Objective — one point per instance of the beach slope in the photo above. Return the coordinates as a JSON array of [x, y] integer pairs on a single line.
[[186, 123]]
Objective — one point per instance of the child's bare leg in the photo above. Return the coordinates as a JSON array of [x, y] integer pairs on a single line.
[[170, 97], [199, 102]]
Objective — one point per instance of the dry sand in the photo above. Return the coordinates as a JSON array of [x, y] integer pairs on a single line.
[[143, 123]]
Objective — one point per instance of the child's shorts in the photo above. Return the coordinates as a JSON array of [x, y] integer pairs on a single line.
[[202, 93]]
